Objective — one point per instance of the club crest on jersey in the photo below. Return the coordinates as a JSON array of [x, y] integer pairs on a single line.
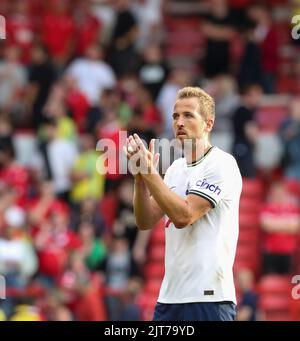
[[211, 187]]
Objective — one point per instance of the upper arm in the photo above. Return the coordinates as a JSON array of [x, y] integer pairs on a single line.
[[208, 188], [198, 207]]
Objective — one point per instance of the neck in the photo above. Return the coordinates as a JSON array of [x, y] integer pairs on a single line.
[[196, 150]]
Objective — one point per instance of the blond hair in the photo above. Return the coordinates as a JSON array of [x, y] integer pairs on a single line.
[[206, 102]]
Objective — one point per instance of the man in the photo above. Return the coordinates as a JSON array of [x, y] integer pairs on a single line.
[[200, 198]]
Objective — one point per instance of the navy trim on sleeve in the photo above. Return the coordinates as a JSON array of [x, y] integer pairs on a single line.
[[205, 196]]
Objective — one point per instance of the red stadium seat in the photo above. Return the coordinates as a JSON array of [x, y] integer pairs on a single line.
[[248, 237], [108, 207], [154, 270], [158, 234], [275, 297], [152, 286], [156, 253], [250, 205], [147, 304], [252, 188], [249, 220], [277, 284]]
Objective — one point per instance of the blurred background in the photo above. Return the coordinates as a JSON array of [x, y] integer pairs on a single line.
[[75, 71]]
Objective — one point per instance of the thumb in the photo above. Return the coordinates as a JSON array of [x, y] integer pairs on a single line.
[[151, 146], [156, 159]]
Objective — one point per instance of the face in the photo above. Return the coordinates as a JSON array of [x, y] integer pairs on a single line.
[[188, 123]]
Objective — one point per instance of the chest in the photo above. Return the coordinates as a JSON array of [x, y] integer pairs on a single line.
[[181, 180]]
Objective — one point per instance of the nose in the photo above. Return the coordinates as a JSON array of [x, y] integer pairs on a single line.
[[180, 122]]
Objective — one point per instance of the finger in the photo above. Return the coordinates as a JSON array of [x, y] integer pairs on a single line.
[[151, 146], [140, 143], [133, 144], [126, 152], [156, 159]]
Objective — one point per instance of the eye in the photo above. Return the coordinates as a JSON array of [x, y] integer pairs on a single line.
[[175, 116], [188, 115]]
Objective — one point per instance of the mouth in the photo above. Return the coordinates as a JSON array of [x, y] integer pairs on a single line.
[[181, 133]]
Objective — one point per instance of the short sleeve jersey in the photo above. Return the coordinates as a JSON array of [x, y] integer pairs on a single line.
[[199, 257]]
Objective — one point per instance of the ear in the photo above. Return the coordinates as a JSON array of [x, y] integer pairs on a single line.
[[209, 124]]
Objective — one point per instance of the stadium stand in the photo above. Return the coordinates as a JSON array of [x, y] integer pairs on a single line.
[[56, 253]]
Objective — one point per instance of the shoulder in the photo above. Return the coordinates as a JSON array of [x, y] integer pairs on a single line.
[[175, 166], [223, 165], [178, 163], [221, 159]]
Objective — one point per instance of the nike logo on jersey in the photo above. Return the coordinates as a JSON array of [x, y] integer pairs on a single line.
[[212, 188]]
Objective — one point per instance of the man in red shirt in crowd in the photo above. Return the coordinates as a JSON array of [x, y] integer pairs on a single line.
[[58, 32], [280, 221]]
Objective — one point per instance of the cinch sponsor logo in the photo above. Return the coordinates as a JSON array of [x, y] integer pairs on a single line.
[[206, 185]]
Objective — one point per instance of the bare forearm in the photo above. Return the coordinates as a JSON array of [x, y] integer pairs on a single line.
[[145, 214], [174, 206]]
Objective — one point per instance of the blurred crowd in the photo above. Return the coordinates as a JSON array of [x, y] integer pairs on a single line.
[[74, 72]]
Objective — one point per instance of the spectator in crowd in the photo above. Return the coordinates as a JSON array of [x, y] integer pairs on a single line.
[[59, 157], [123, 51], [104, 11], [6, 128], [8, 197], [56, 110], [146, 120], [289, 83], [247, 307], [223, 88], [54, 241], [290, 135], [13, 78], [26, 312], [89, 212], [92, 74], [149, 18], [93, 248], [58, 22], [88, 180], [87, 26], [77, 104], [2, 315], [266, 37], [62, 313], [130, 310], [113, 100], [280, 221], [21, 28], [125, 221], [15, 247], [43, 204], [250, 69], [82, 290], [110, 129], [42, 75], [218, 28], [12, 173], [245, 130], [153, 70], [119, 267]]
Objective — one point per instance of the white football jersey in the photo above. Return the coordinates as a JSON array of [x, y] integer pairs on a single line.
[[199, 258]]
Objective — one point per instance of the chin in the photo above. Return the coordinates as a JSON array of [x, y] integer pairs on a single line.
[[181, 138]]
